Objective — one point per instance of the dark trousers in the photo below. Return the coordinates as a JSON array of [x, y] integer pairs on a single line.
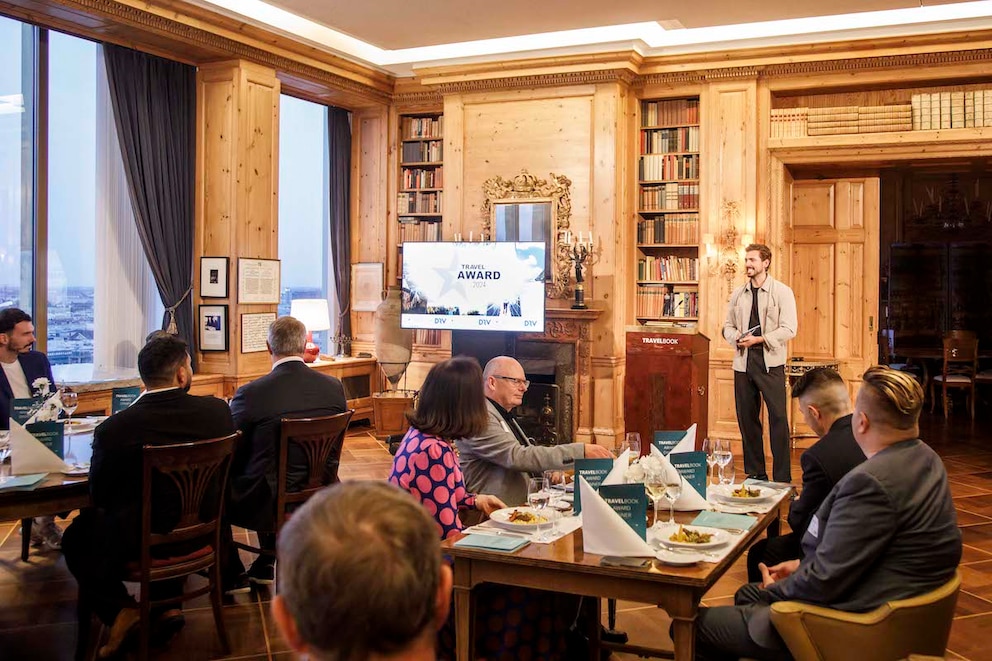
[[232, 567], [722, 632], [96, 553], [749, 389], [771, 551]]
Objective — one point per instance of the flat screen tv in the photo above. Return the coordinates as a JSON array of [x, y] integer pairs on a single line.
[[496, 286]]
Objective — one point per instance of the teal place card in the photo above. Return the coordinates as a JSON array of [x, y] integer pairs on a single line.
[[667, 440], [121, 398], [49, 434], [504, 543], [724, 520], [629, 501], [693, 467], [21, 410], [595, 471], [23, 482]]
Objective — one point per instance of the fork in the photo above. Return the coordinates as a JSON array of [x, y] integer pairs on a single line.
[[679, 549]]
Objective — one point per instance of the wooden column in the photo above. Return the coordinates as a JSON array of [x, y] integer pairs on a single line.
[[237, 168]]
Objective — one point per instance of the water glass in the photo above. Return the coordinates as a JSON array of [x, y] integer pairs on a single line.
[[556, 487], [632, 442], [538, 497], [724, 457], [673, 491], [709, 447]]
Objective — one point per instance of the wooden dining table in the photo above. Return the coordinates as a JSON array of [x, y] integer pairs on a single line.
[[55, 494], [563, 566]]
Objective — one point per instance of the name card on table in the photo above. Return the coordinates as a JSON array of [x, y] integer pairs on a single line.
[[630, 502], [667, 440], [21, 410], [693, 468], [594, 471], [121, 398], [49, 434]]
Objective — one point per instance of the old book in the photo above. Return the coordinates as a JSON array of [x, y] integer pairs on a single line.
[[945, 110], [917, 112]]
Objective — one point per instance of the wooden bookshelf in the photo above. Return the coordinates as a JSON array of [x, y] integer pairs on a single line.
[[667, 231]]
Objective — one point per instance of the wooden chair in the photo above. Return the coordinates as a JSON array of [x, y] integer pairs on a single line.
[[959, 370], [199, 471], [894, 630], [319, 439]]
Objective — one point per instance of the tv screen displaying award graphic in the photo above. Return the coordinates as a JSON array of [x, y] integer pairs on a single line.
[[473, 286]]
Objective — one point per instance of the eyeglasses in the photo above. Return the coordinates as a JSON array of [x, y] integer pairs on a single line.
[[518, 382]]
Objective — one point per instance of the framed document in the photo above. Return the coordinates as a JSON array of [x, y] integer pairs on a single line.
[[213, 327], [366, 286], [213, 277], [255, 331], [258, 280]]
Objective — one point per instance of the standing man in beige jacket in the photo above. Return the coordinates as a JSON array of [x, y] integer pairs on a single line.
[[761, 319]]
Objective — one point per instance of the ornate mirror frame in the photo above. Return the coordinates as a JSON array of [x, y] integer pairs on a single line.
[[527, 188]]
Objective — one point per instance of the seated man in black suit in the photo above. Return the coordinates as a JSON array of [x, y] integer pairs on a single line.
[[888, 530], [290, 390], [101, 540], [826, 407]]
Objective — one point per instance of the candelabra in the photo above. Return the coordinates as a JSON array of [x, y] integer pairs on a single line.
[[580, 253]]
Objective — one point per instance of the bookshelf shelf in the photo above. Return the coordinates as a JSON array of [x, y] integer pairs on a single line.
[[667, 229], [422, 139], [422, 163], [421, 215], [906, 138], [419, 190]]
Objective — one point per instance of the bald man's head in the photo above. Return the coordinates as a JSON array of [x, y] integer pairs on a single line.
[[505, 382]]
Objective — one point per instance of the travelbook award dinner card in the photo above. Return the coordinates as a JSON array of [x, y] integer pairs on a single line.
[[630, 502], [594, 471]]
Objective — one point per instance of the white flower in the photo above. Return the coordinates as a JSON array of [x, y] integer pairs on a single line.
[[642, 466], [42, 387], [49, 411]]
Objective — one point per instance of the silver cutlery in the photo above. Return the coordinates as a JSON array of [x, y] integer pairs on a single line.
[[494, 531]]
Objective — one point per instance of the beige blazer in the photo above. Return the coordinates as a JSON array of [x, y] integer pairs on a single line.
[[777, 313]]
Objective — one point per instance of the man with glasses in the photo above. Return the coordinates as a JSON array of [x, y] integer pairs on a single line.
[[499, 461]]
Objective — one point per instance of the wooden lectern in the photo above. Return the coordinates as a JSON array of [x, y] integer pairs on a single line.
[[666, 384]]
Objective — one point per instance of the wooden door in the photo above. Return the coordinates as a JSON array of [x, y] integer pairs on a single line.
[[833, 240]]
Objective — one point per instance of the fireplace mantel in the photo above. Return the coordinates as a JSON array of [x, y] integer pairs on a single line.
[[563, 325]]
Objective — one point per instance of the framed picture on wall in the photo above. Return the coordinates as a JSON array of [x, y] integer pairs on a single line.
[[213, 277], [255, 331], [212, 322], [258, 280], [366, 286]]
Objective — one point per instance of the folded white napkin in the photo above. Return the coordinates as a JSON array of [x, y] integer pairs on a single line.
[[604, 532], [28, 455], [620, 465], [690, 500]]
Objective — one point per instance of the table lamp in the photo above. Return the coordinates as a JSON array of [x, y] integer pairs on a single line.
[[315, 316]]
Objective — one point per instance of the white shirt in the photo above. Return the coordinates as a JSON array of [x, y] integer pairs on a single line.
[[17, 380], [287, 359]]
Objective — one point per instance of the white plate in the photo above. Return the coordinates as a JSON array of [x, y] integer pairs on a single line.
[[83, 425], [83, 469], [719, 537], [501, 518], [675, 559], [727, 491]]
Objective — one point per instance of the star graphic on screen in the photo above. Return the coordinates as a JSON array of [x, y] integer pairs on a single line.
[[449, 276]]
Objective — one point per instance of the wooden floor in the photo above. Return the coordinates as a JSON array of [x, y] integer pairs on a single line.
[[37, 598]]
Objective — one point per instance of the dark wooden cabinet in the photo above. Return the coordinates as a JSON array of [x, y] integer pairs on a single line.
[[666, 383]]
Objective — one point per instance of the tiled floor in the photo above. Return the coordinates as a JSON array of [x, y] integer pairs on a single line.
[[37, 598]]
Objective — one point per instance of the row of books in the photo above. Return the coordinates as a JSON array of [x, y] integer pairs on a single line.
[[952, 110], [422, 127], [423, 177], [654, 167], [658, 301], [679, 228], [419, 202], [669, 196], [667, 268], [422, 152], [674, 111], [412, 229], [660, 141]]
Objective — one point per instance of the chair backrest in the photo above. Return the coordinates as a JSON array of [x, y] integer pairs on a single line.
[[961, 334], [920, 625], [319, 440], [960, 356], [198, 472]]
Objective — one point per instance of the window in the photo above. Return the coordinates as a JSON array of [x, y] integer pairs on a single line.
[[304, 225], [99, 299]]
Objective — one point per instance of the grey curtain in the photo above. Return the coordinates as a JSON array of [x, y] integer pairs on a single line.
[[339, 190], [155, 111]]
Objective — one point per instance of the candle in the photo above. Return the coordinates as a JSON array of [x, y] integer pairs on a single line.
[[580, 237], [470, 236], [590, 241]]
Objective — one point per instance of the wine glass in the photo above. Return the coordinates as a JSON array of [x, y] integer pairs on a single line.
[[724, 457], [538, 496], [709, 447], [654, 482], [632, 442], [673, 490], [556, 489], [70, 401]]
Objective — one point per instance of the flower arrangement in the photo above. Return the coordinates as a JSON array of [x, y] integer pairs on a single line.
[[51, 404], [638, 470], [42, 387]]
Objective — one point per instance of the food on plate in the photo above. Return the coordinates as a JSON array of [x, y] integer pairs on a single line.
[[516, 516], [689, 536], [745, 492]]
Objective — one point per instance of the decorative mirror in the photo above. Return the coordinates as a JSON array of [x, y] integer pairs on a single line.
[[526, 208]]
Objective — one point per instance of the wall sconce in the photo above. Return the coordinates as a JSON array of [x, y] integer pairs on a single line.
[[724, 254]]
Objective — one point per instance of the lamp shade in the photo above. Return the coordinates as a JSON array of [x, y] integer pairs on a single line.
[[312, 312]]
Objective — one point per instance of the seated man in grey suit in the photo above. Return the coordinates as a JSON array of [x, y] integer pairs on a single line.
[[886, 531], [826, 406], [498, 462], [290, 390]]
